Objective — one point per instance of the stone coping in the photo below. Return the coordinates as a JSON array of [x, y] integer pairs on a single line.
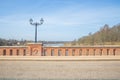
[[65, 46], [61, 58], [12, 46], [34, 43], [82, 46]]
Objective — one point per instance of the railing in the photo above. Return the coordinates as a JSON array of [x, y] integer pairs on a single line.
[[60, 51], [13, 51], [98, 51]]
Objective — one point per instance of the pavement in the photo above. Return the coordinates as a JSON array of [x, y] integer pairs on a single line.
[[59, 67], [59, 70], [62, 58]]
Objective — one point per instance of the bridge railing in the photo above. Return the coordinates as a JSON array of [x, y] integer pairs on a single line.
[[79, 51], [13, 51], [58, 51]]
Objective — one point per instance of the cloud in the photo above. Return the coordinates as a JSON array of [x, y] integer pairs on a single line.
[[66, 23], [82, 16]]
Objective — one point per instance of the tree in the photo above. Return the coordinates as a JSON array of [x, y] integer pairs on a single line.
[[105, 35]]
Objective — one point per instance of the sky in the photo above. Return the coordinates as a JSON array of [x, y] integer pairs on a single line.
[[64, 20]]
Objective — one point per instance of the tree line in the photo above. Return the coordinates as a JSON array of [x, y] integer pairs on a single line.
[[12, 42], [105, 36]]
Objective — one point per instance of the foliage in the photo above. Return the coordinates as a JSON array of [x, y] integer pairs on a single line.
[[11, 42], [105, 36]]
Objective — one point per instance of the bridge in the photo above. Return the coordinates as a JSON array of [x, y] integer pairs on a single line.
[[37, 49]]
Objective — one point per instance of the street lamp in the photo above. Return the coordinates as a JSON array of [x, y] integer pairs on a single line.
[[36, 24]]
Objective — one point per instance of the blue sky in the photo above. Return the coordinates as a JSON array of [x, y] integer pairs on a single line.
[[63, 19]]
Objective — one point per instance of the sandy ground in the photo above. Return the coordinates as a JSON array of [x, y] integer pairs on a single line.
[[70, 70]]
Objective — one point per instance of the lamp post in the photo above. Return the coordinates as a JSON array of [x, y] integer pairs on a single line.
[[36, 24]]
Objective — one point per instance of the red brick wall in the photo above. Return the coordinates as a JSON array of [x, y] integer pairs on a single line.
[[12, 51], [40, 50]]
